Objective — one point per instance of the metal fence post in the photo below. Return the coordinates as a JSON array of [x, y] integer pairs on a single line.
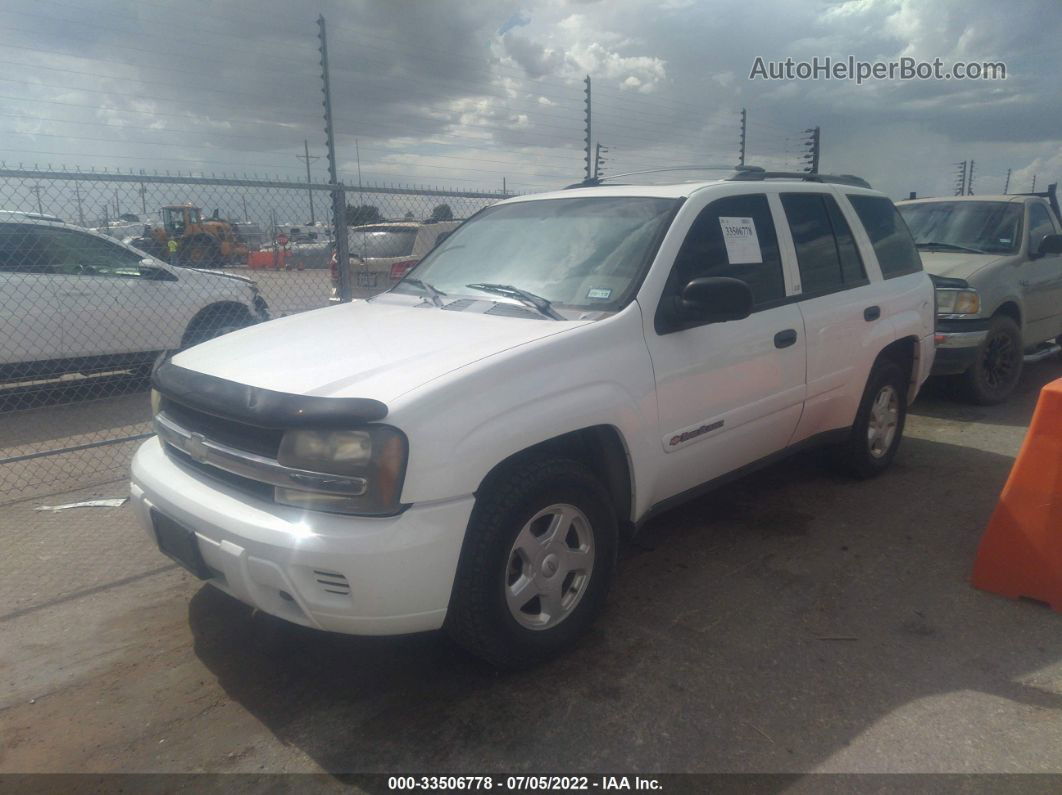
[[339, 224], [339, 201]]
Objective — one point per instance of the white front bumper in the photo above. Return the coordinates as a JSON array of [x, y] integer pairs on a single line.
[[399, 569]]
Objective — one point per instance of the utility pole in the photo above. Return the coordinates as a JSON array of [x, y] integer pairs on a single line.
[[741, 151], [813, 148], [969, 180], [309, 181], [80, 214], [143, 198], [505, 192], [1006, 184], [960, 178], [117, 209], [339, 203], [589, 169], [599, 161], [245, 218]]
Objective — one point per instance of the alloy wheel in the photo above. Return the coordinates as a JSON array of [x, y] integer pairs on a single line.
[[549, 567]]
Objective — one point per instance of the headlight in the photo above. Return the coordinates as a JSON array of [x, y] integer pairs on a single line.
[[370, 464], [156, 402], [958, 302]]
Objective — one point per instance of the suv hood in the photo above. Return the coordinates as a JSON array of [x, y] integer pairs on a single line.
[[958, 265], [361, 349]]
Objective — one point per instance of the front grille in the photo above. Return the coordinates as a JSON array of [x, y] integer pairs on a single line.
[[250, 438], [253, 487]]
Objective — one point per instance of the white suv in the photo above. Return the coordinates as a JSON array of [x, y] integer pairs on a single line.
[[560, 369], [72, 300]]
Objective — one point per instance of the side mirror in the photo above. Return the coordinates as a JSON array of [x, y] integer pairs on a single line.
[[153, 273], [714, 299], [1050, 244]]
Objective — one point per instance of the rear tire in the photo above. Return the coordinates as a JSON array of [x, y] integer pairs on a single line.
[[879, 423], [994, 375], [536, 565]]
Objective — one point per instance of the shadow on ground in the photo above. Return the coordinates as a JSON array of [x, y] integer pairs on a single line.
[[766, 627], [939, 401]]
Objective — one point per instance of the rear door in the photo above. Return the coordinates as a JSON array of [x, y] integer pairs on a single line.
[[844, 311], [31, 315], [728, 394]]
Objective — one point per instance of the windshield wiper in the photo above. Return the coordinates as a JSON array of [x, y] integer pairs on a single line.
[[537, 302], [951, 246], [433, 294]]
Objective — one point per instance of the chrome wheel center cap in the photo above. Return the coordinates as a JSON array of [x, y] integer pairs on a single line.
[[550, 564]]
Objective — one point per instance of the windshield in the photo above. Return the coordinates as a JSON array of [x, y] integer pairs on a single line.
[[382, 242], [585, 253], [991, 227]]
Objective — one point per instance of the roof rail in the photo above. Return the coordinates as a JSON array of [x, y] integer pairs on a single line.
[[592, 181], [837, 179]]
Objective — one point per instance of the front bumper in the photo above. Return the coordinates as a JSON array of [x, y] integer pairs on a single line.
[[958, 342], [398, 571]]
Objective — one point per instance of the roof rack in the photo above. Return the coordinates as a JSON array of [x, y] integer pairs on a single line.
[[738, 174], [592, 181], [1051, 194], [837, 179]]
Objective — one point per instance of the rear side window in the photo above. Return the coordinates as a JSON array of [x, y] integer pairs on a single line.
[[382, 242], [734, 237], [825, 249], [888, 234]]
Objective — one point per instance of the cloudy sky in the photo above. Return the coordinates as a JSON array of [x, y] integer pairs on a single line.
[[464, 93]]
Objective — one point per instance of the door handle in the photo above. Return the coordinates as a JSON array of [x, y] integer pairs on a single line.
[[783, 339], [871, 313]]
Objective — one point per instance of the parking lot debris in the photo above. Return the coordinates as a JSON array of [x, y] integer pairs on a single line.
[[109, 502], [1020, 554]]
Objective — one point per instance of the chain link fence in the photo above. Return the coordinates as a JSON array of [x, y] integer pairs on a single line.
[[101, 274]]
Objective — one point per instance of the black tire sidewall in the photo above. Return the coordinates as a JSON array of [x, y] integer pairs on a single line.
[[885, 373], [496, 521]]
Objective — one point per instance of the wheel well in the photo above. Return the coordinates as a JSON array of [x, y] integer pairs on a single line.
[[1011, 310], [903, 352], [222, 311], [601, 449]]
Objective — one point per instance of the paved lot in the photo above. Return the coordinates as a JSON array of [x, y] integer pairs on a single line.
[[793, 622]]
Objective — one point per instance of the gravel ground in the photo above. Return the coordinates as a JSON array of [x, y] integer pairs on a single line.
[[794, 622]]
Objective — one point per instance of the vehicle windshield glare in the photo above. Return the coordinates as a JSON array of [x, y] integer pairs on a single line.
[[583, 253], [990, 227]]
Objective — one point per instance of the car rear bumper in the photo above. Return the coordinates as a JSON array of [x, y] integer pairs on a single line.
[[356, 575]]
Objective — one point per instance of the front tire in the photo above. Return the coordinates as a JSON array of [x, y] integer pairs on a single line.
[[878, 427], [536, 565], [994, 375]]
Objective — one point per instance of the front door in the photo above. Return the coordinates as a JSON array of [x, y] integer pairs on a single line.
[[1041, 281], [731, 393]]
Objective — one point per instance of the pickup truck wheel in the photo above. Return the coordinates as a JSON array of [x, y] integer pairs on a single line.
[[537, 563], [878, 425], [995, 373]]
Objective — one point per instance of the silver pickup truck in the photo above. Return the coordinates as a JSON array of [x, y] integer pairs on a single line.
[[996, 262]]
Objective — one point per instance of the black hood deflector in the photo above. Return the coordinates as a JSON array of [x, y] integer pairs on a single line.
[[262, 407]]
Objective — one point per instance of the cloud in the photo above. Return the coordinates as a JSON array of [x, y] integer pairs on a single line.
[[518, 20]]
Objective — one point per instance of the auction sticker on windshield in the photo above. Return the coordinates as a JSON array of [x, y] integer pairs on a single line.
[[742, 245]]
